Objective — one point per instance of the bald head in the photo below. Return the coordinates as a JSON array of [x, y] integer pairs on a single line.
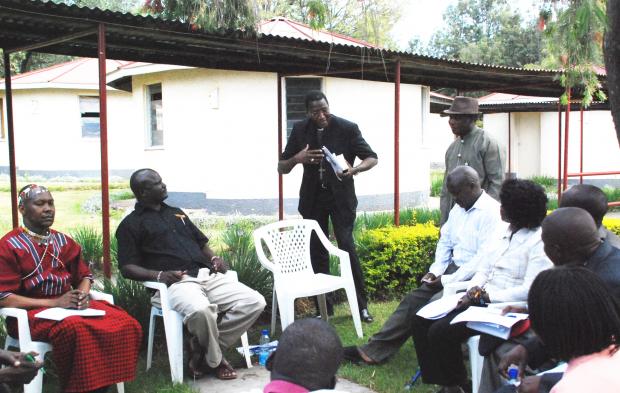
[[570, 236], [463, 184], [588, 197], [309, 353]]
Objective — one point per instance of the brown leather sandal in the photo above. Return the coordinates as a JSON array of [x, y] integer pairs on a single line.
[[225, 371]]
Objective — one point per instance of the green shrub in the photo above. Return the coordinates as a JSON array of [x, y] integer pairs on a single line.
[[91, 241], [613, 224], [425, 216], [121, 195], [548, 183], [613, 194], [436, 183], [238, 250], [394, 258]]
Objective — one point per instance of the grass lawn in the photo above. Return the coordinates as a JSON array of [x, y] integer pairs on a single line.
[[69, 212], [389, 377]]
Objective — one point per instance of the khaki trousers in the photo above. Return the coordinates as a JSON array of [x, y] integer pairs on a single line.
[[201, 299]]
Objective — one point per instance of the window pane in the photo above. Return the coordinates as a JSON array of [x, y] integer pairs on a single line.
[[89, 113], [90, 127], [156, 115], [296, 90]]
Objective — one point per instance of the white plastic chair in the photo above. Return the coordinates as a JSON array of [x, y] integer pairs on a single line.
[[25, 343], [288, 243], [173, 327], [476, 361]]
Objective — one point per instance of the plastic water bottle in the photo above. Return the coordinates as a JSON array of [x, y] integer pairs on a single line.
[[513, 375], [264, 351]]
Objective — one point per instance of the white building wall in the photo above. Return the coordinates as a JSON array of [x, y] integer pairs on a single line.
[[600, 146], [220, 132], [437, 137], [48, 133], [535, 141]]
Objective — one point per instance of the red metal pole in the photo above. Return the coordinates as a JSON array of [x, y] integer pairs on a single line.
[[280, 183], [397, 145], [600, 173], [566, 127], [509, 145], [559, 151], [581, 145], [103, 138], [11, 136]]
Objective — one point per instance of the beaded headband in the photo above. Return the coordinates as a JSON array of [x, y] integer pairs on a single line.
[[30, 192]]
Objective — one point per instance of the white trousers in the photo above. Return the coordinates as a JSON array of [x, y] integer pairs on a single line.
[[201, 299]]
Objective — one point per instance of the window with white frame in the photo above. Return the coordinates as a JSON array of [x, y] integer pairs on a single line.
[[89, 116], [155, 121], [296, 90]]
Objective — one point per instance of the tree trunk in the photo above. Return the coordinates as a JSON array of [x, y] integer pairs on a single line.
[[612, 60]]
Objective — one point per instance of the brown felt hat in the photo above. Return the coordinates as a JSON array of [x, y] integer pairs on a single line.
[[463, 106]]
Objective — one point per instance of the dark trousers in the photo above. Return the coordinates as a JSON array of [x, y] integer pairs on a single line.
[[324, 209], [400, 325], [438, 346]]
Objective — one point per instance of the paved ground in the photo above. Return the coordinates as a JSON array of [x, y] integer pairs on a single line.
[[254, 379]]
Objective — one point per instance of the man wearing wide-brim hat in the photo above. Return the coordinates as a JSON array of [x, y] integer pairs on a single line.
[[473, 147]]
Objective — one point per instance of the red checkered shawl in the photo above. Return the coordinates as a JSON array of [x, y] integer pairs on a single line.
[[89, 353]]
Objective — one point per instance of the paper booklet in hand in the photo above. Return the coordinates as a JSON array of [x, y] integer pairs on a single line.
[[491, 321], [338, 162], [440, 307]]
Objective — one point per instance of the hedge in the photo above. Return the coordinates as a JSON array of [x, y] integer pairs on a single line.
[[393, 258], [613, 224]]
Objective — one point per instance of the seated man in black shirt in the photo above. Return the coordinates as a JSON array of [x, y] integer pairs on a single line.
[[157, 242]]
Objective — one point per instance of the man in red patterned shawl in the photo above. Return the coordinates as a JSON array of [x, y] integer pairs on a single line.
[[42, 268]]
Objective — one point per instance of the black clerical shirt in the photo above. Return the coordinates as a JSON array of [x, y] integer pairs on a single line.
[[160, 240], [340, 137]]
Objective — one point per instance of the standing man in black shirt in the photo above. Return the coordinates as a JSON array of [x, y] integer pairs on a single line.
[[325, 194], [157, 242]]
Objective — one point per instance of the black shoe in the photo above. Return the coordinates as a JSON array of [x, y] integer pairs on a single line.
[[352, 355], [365, 315]]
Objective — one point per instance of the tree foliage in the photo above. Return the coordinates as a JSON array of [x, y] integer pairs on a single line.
[[485, 31], [612, 61], [575, 42], [210, 15]]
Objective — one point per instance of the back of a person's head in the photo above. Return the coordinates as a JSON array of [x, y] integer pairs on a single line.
[[573, 312], [524, 203], [570, 235], [588, 197], [309, 353]]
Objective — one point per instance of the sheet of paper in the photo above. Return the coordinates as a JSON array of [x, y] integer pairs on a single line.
[[333, 161], [489, 315], [58, 314], [440, 307], [489, 320]]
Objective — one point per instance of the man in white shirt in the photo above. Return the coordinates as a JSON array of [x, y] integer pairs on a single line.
[[472, 221]]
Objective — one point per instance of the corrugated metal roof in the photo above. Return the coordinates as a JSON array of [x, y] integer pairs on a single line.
[[284, 27], [81, 73], [147, 39]]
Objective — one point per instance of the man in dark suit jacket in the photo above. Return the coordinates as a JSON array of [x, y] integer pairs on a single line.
[[324, 193]]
